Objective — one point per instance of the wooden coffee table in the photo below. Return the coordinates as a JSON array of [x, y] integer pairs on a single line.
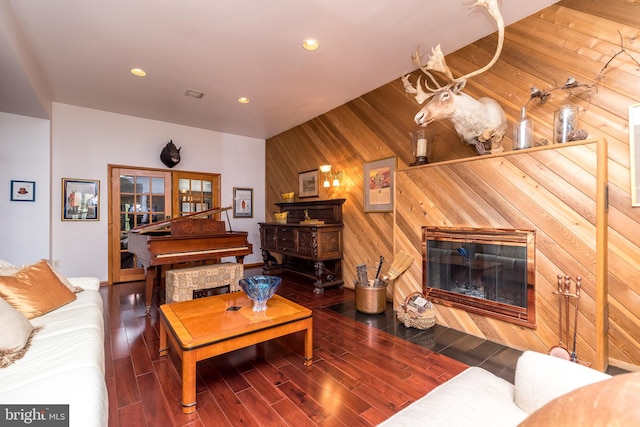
[[207, 327]]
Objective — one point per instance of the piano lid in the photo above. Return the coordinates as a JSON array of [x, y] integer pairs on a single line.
[[180, 226]]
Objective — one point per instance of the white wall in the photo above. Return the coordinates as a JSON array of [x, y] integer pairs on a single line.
[[24, 155], [85, 141]]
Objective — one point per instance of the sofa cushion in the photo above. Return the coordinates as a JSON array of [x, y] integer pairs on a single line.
[[65, 364], [532, 386], [16, 334], [474, 397], [593, 405], [35, 290]]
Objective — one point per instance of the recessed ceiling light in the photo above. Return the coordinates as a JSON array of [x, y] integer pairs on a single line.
[[243, 100], [310, 44], [194, 93], [138, 72]]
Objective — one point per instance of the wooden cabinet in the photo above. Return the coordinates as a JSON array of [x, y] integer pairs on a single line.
[[312, 248]]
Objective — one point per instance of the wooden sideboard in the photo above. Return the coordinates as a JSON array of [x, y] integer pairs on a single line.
[[312, 248]]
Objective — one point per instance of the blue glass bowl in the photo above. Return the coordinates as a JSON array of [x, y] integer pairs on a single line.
[[259, 289]]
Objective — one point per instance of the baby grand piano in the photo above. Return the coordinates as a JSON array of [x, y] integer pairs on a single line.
[[189, 238]]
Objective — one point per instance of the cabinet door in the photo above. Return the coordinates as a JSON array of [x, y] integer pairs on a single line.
[[268, 237], [307, 242]]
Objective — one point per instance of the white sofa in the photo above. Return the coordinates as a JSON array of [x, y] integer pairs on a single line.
[[477, 397], [65, 363]]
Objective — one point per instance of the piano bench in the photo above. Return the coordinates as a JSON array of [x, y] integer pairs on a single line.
[[181, 283]]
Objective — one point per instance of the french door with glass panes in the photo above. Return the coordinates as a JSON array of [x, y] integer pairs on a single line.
[[138, 197], [195, 192]]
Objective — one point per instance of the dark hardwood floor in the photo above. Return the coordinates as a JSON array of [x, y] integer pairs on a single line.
[[366, 367]]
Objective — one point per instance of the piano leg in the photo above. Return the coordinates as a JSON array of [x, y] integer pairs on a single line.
[[149, 276]]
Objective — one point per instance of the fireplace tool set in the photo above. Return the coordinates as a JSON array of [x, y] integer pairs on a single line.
[[564, 295], [371, 293]]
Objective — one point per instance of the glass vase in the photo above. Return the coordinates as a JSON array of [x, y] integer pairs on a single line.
[[523, 131]]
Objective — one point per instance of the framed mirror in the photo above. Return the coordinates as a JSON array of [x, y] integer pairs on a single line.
[[634, 151]]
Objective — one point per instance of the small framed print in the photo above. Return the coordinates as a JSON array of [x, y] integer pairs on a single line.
[[308, 183], [23, 191], [80, 200], [243, 202], [379, 185]]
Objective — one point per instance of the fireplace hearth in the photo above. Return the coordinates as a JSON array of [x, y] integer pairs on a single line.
[[484, 271]]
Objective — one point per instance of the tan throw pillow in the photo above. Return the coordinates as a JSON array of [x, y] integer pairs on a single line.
[[613, 402], [35, 290], [9, 270], [16, 334]]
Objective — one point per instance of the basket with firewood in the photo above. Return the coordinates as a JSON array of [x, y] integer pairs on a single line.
[[417, 312]]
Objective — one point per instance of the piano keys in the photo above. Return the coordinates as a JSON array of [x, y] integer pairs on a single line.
[[189, 238]]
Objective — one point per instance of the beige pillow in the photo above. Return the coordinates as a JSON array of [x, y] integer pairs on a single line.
[[35, 290], [613, 402], [16, 335]]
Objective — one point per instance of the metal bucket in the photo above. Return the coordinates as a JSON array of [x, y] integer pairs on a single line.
[[370, 299]]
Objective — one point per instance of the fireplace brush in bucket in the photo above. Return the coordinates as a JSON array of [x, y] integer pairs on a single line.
[[400, 263]]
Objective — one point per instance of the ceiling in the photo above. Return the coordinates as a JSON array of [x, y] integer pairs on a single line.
[[79, 52]]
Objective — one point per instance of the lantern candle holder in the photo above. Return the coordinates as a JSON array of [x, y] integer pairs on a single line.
[[420, 147]]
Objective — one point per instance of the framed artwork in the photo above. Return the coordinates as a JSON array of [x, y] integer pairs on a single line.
[[243, 202], [379, 185], [634, 151], [23, 191], [308, 183], [80, 200]]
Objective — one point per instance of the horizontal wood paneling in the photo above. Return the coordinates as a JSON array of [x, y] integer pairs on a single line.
[[572, 38]]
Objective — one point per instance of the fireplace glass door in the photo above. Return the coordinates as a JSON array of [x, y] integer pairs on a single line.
[[487, 271]]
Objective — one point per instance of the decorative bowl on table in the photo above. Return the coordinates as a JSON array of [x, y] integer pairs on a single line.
[[259, 289], [281, 217], [287, 197]]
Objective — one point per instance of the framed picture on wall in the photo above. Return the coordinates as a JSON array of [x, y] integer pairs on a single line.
[[308, 183], [634, 151], [243, 202], [80, 200], [379, 185], [23, 191]]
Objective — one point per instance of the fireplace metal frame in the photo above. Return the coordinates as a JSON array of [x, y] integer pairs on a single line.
[[523, 316]]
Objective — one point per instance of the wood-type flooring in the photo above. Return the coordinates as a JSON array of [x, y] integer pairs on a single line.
[[361, 375]]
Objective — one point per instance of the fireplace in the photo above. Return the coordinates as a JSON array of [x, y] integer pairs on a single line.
[[483, 271]]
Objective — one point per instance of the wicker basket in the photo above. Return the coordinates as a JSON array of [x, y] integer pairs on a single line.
[[412, 318]]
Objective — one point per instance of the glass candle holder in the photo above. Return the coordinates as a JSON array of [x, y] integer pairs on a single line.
[[420, 147], [565, 122]]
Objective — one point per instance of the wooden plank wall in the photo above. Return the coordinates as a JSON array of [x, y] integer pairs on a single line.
[[551, 191], [572, 38]]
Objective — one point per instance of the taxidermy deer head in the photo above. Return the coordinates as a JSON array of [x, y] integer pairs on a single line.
[[170, 155], [479, 122]]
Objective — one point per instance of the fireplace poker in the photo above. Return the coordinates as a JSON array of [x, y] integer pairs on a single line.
[[379, 267], [574, 357], [560, 350], [567, 294]]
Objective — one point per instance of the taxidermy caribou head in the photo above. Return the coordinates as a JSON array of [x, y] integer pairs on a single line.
[[170, 155], [479, 122]]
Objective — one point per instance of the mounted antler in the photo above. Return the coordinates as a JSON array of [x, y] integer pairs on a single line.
[[478, 122]]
